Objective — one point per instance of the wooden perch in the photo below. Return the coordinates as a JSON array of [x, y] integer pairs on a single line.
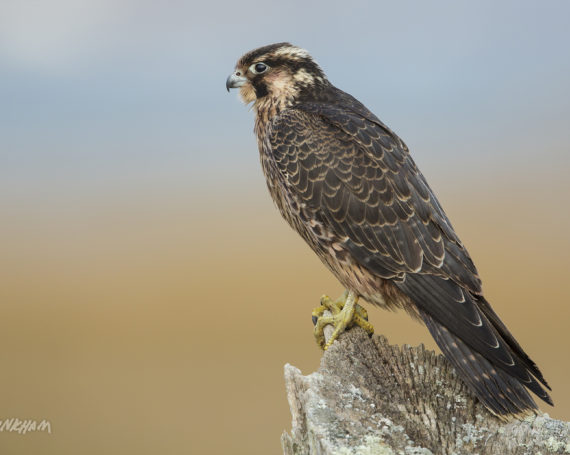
[[369, 397]]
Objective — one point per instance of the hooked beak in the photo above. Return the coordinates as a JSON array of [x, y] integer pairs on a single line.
[[235, 80]]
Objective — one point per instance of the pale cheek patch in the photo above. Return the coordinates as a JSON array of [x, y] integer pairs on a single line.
[[303, 77], [280, 84], [247, 94]]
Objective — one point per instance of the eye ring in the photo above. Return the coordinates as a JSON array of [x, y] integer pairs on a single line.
[[258, 68]]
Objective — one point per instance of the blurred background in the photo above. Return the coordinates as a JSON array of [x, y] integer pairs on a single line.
[[150, 292]]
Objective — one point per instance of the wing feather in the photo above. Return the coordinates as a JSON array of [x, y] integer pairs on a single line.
[[359, 180]]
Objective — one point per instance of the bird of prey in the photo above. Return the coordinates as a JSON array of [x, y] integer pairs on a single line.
[[348, 185]]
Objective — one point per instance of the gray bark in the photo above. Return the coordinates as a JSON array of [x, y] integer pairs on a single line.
[[369, 397]]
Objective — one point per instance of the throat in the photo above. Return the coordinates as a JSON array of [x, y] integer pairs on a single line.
[[267, 108]]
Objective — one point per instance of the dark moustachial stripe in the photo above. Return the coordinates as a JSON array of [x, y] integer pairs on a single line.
[[260, 89]]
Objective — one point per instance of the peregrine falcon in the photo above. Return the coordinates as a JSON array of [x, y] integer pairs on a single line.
[[348, 185]]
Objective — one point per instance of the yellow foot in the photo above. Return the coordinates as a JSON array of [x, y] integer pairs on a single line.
[[346, 313]]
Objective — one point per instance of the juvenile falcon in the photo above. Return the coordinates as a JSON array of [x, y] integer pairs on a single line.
[[348, 185]]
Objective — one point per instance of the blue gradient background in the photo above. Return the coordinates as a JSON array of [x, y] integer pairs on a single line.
[[151, 293]]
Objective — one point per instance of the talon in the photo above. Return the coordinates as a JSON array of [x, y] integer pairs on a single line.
[[345, 314], [361, 312]]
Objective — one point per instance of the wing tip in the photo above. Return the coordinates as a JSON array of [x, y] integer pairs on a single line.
[[502, 394]]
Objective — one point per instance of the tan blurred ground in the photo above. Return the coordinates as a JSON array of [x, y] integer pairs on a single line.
[[139, 326]]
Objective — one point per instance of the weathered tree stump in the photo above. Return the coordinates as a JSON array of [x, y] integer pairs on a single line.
[[369, 397]]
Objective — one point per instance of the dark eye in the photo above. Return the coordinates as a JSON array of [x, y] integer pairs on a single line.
[[258, 68]]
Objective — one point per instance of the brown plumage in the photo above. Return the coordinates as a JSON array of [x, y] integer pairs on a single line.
[[348, 185]]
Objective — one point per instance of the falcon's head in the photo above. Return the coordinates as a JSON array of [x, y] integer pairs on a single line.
[[281, 72]]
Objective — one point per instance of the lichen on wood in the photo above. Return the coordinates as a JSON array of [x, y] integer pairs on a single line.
[[371, 398]]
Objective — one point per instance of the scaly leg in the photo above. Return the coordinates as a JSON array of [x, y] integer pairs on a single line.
[[346, 313]]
